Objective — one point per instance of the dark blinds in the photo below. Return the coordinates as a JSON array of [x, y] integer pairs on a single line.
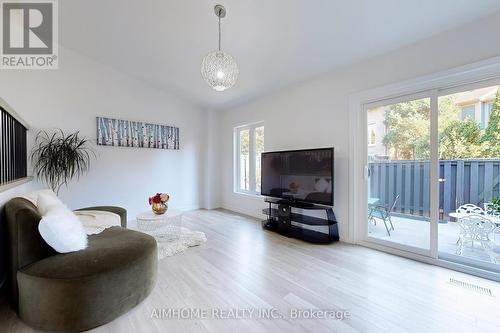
[[13, 153]]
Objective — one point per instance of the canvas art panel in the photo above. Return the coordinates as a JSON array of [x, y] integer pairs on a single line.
[[126, 133]]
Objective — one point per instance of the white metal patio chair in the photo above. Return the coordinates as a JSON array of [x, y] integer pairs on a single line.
[[470, 209], [475, 228]]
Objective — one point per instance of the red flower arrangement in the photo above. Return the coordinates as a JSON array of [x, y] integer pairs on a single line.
[[159, 198]]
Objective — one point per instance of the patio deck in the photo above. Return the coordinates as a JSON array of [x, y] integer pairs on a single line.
[[414, 232]]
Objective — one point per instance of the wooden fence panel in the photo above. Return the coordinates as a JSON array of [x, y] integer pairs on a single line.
[[399, 187], [416, 189], [426, 194], [447, 197], [473, 181], [383, 183], [391, 181], [407, 188], [488, 181], [460, 183]]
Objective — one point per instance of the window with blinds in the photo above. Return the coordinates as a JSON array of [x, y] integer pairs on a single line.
[[13, 151]]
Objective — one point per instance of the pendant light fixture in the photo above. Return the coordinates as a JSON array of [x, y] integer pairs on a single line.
[[218, 68]]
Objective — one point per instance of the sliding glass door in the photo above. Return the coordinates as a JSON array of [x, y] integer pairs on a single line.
[[399, 172], [469, 167], [433, 174]]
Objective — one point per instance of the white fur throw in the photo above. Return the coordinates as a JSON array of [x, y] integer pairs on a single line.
[[59, 226]]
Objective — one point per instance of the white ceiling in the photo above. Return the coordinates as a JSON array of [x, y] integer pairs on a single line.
[[275, 42]]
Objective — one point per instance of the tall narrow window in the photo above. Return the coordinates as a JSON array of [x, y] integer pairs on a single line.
[[13, 154], [249, 144]]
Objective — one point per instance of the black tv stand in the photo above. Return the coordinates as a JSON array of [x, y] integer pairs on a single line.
[[294, 203], [281, 219]]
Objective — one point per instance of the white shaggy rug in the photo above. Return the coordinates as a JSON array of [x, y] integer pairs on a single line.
[[169, 245]]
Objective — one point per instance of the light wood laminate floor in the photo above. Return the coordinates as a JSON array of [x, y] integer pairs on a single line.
[[241, 266]]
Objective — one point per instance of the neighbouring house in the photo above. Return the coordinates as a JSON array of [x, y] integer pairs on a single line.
[[377, 150], [477, 104]]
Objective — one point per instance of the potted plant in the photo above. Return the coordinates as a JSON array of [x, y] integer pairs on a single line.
[[492, 207], [495, 206], [58, 157]]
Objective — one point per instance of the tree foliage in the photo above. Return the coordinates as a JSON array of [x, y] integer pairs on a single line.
[[491, 136], [461, 139], [406, 123], [408, 131], [245, 141], [408, 126]]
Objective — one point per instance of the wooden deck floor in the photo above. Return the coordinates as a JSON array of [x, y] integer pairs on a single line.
[[415, 233]]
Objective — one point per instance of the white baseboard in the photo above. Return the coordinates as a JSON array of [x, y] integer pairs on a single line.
[[248, 212], [187, 208]]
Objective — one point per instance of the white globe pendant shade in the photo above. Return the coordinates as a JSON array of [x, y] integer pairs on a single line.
[[219, 70]]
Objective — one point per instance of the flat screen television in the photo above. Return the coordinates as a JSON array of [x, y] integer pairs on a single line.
[[304, 176]]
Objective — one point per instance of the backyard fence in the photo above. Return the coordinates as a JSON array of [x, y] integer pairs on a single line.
[[463, 181]]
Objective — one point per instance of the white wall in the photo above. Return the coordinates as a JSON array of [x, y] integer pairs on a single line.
[[212, 165], [315, 113], [71, 97]]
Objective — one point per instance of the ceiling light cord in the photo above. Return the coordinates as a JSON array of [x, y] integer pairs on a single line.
[[219, 28]]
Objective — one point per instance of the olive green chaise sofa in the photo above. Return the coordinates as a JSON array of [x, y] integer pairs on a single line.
[[79, 290]]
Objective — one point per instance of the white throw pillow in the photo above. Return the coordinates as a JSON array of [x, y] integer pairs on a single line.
[[64, 233], [60, 227]]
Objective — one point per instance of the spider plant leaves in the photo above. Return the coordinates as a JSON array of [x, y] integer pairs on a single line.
[[58, 157]]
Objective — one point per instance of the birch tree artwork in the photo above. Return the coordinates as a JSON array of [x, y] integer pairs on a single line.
[[125, 133]]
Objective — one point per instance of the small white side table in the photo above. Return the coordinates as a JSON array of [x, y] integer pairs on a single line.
[[163, 227]]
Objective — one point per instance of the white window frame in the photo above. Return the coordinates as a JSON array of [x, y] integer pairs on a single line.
[[487, 113], [252, 164]]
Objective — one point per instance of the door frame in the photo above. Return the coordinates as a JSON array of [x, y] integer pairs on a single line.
[[431, 86]]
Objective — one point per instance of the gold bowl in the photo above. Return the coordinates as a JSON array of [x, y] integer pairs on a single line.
[[159, 208]]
